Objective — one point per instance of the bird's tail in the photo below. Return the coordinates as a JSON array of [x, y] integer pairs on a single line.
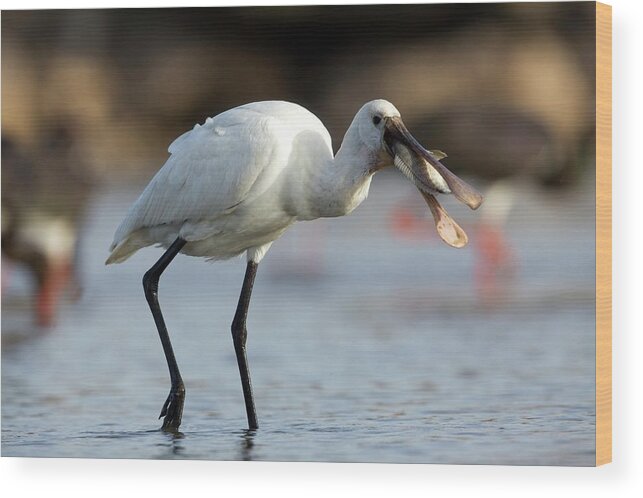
[[124, 249]]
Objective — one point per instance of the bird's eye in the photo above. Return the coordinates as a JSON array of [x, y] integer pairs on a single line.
[[376, 120]]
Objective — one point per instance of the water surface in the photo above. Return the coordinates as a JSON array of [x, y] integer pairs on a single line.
[[364, 346]]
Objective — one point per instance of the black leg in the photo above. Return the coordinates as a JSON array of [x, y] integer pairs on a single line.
[[173, 407], [239, 335]]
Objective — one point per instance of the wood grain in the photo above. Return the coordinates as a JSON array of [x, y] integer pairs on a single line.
[[603, 233]]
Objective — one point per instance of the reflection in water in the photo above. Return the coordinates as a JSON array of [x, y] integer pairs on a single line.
[[21, 332], [175, 440], [247, 443]]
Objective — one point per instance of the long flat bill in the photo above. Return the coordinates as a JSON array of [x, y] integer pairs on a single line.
[[449, 231]]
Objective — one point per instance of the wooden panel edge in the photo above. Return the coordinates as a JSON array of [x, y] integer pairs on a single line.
[[603, 233]]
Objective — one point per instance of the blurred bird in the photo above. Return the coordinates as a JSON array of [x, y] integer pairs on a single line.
[[44, 195], [237, 182]]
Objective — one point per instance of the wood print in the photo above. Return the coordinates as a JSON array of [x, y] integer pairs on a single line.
[[361, 233]]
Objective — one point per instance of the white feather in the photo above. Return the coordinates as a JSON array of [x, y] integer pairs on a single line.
[[235, 183], [212, 171]]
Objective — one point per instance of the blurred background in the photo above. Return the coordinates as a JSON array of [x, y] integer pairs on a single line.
[[92, 98]]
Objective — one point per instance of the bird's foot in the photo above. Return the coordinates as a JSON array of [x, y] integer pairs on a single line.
[[173, 409]]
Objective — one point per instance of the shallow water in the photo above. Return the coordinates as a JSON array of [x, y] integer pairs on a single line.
[[363, 346]]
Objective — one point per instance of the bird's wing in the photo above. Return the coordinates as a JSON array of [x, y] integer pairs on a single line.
[[210, 171]]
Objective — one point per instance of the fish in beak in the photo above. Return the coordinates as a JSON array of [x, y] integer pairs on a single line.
[[431, 177]]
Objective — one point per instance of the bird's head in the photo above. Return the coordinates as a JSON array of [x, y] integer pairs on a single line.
[[381, 129]]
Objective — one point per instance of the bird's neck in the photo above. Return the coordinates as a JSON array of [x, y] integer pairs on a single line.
[[342, 183]]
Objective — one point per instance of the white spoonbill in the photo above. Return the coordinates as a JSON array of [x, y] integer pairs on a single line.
[[237, 182]]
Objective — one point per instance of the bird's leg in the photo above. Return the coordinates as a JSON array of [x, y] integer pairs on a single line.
[[239, 335], [173, 407]]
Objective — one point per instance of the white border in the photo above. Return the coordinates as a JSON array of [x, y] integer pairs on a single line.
[[115, 478]]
